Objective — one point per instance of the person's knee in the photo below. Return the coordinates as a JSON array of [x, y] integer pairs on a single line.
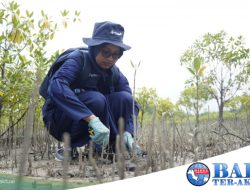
[[125, 97], [98, 99], [93, 100]]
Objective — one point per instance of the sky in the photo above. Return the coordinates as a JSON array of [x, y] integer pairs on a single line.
[[159, 31]]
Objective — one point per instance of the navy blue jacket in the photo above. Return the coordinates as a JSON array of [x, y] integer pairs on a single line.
[[98, 80]]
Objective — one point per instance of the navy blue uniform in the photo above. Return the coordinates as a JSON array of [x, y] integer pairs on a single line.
[[65, 107]]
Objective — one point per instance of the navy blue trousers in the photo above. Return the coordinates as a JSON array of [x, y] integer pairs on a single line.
[[108, 108]]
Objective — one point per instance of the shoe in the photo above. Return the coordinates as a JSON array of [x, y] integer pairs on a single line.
[[59, 155]]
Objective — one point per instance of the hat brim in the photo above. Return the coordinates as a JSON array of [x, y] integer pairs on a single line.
[[96, 42]]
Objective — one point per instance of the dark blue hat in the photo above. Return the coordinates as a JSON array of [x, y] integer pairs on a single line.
[[107, 32]]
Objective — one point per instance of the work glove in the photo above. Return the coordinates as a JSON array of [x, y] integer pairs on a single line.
[[98, 132], [129, 141]]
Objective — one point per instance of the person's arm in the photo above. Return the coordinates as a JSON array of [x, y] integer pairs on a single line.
[[60, 92]]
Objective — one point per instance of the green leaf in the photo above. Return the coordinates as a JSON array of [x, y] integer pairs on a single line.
[[29, 14], [64, 13], [22, 58], [12, 36], [191, 70], [77, 13], [42, 12], [14, 20], [46, 23], [2, 37], [200, 72], [197, 63], [15, 6], [51, 36], [1, 14], [19, 37], [65, 24]]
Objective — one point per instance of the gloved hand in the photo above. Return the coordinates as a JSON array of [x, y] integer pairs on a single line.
[[98, 132], [129, 141]]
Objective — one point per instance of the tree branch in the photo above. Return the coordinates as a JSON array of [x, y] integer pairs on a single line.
[[19, 119]]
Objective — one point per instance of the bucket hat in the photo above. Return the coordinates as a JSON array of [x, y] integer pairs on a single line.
[[107, 32]]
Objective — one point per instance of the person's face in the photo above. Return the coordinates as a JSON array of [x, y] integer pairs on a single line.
[[108, 56]]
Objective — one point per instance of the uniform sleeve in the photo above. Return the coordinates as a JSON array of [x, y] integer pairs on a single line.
[[61, 94], [122, 84]]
